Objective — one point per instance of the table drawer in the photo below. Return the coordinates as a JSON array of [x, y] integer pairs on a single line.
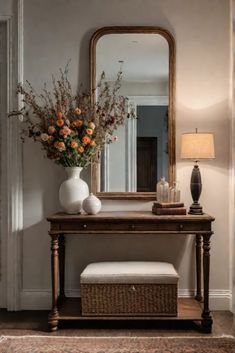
[[134, 226]]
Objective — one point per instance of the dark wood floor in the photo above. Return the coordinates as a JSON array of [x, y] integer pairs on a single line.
[[35, 323]]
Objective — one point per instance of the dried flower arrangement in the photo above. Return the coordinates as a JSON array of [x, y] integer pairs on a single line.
[[72, 128]]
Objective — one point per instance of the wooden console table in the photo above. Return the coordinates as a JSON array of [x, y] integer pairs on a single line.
[[195, 309]]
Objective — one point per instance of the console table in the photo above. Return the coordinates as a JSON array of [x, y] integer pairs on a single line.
[[143, 223]]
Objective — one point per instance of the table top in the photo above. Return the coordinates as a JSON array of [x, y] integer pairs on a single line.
[[128, 215]]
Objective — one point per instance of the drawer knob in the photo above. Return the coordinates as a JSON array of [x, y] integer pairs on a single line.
[[133, 288], [132, 226], [84, 226], [181, 227]]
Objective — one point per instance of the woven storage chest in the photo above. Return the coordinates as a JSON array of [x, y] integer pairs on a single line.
[[129, 289]]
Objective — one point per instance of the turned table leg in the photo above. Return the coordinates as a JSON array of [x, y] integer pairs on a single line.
[[61, 264], [206, 316], [199, 267], [54, 314]]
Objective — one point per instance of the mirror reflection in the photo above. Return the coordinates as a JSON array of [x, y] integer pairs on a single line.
[[138, 157]]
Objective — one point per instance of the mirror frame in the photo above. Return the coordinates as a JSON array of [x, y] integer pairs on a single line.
[[171, 109]]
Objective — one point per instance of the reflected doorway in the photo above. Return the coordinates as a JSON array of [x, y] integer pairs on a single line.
[[152, 132], [146, 164]]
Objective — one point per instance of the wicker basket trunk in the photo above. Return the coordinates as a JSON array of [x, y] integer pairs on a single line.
[[129, 299], [129, 289]]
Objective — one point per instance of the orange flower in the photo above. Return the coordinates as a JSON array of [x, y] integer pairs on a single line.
[[77, 111], [74, 144], [65, 131], [86, 140], [91, 125], [60, 146], [89, 131], [51, 129], [50, 139], [77, 123], [60, 122], [44, 137], [80, 149], [93, 143], [59, 115]]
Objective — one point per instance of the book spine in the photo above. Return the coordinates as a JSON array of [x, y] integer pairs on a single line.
[[169, 211], [168, 205]]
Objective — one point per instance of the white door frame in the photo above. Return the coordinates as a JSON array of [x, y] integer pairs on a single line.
[[5, 59], [12, 210]]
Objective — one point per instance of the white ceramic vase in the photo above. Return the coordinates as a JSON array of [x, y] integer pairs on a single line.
[[73, 191], [91, 204]]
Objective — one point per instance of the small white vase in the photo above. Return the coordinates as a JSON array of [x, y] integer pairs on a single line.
[[91, 204], [73, 191]]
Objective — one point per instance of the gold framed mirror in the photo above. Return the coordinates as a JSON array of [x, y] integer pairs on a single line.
[[145, 151]]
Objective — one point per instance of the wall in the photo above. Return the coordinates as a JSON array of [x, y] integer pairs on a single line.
[[144, 89], [58, 30]]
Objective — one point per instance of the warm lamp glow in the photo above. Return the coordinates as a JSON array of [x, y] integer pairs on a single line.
[[197, 146]]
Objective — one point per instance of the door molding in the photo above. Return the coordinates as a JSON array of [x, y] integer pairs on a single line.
[[131, 155], [12, 226], [3, 87]]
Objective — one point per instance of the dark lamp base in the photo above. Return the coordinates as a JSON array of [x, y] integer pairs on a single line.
[[196, 209], [196, 188]]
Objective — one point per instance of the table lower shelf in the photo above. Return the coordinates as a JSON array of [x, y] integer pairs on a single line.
[[188, 309]]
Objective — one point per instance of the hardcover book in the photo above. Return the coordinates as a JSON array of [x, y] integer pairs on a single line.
[[169, 210], [168, 204]]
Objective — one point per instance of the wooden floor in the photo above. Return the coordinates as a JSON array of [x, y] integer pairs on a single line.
[[35, 323]]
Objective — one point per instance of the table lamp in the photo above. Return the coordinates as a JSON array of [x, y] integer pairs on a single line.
[[197, 146]]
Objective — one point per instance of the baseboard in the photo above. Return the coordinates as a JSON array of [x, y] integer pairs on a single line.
[[33, 299], [220, 299]]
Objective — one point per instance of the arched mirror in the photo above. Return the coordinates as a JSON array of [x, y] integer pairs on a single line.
[[144, 150]]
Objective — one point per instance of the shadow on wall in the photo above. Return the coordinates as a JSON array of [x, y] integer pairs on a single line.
[[209, 118], [83, 65], [90, 248]]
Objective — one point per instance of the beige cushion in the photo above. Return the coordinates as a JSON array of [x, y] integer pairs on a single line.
[[129, 272]]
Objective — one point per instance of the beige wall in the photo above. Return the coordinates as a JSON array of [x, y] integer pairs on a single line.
[[58, 30]]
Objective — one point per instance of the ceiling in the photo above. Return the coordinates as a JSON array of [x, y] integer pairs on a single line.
[[144, 57]]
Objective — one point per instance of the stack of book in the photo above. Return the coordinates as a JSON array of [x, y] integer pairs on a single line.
[[168, 208]]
